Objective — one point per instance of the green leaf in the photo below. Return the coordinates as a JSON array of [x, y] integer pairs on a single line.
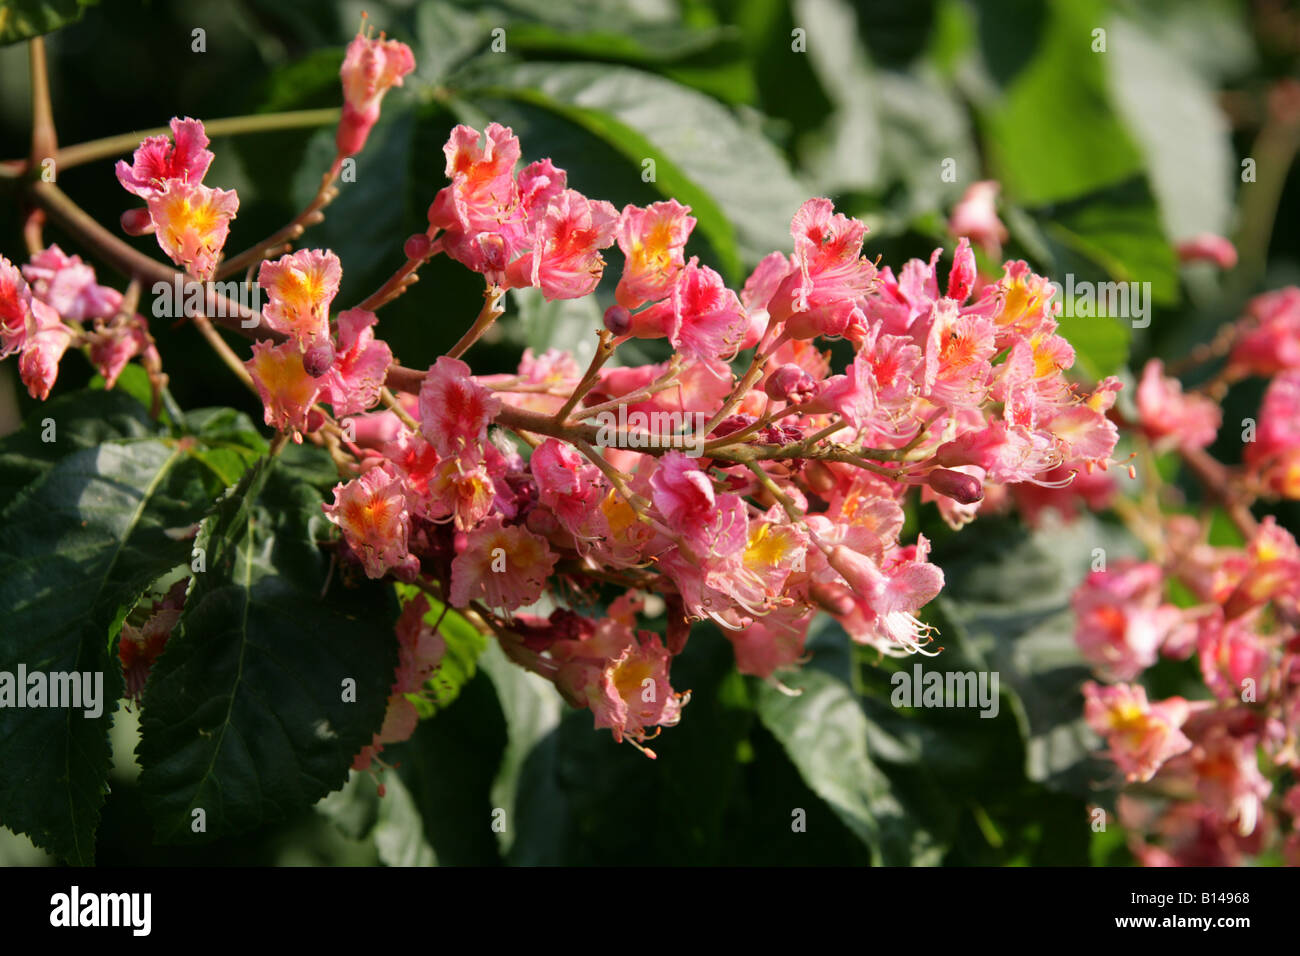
[[448, 766], [71, 423], [736, 183], [245, 715], [1052, 133], [1006, 601], [77, 548], [1118, 230], [825, 733], [24, 19], [1175, 118], [532, 708]]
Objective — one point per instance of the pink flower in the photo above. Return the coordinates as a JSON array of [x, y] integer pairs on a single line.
[[771, 643], [888, 596], [652, 240], [158, 161], [1121, 619], [683, 493], [976, 217], [455, 410], [15, 308], [824, 294], [112, 346], [1006, 453], [567, 483], [958, 356], [300, 287], [463, 489], [1270, 342], [68, 285], [1170, 418], [1207, 247], [702, 318], [1230, 653], [354, 381], [287, 391], [504, 566], [371, 67], [1275, 453], [192, 222], [622, 677], [1141, 735], [479, 212], [420, 650], [372, 513], [38, 366], [565, 262]]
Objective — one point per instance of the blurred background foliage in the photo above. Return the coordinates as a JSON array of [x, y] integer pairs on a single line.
[[746, 107]]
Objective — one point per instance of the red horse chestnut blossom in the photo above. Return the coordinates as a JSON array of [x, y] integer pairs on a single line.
[[761, 471]]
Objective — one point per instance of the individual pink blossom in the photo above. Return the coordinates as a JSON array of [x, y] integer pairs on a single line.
[[114, 344], [286, 390], [483, 224], [825, 292], [1207, 247], [567, 483], [1171, 418], [159, 161], [371, 511], [455, 410], [420, 650], [771, 643], [683, 492], [371, 67], [888, 596], [621, 676], [1270, 340], [701, 317], [300, 287], [505, 566], [1231, 653], [68, 285], [1006, 453], [1274, 454], [361, 362], [15, 308], [976, 217], [191, 223], [652, 240], [463, 489], [1121, 619], [1141, 735], [958, 356], [38, 365], [565, 261]]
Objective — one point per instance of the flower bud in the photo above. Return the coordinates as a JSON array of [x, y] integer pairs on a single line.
[[618, 320], [318, 359], [791, 384], [137, 222], [417, 246], [960, 487]]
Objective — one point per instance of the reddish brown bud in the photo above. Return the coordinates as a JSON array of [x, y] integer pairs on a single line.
[[618, 320], [318, 359], [960, 487]]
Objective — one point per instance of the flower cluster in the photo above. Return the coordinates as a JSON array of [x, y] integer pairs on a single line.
[[54, 303], [750, 496], [1211, 780]]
